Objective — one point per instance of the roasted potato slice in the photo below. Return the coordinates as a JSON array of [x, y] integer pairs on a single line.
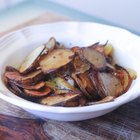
[[15, 89], [77, 101], [81, 85], [58, 99], [110, 84], [80, 65], [37, 86], [33, 78], [56, 59], [104, 100], [30, 62], [30, 79], [95, 81], [38, 93], [89, 87], [95, 58], [61, 86], [124, 77], [85, 84]]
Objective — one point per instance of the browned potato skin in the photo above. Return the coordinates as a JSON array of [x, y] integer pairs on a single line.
[[30, 69], [104, 100], [81, 85], [80, 66], [49, 63], [32, 87], [10, 69], [58, 99], [86, 86], [111, 85], [124, 77], [95, 58], [38, 93], [78, 101], [30, 79], [15, 89], [95, 81]]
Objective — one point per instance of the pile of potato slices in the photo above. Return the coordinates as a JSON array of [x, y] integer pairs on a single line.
[[58, 76]]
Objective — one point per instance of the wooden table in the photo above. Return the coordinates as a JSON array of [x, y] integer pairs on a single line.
[[16, 124]]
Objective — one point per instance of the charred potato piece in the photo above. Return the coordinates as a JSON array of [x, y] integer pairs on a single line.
[[29, 63], [85, 84], [32, 87], [33, 78], [30, 79], [14, 76], [56, 59], [38, 93], [80, 65], [77, 101], [81, 85], [58, 99], [104, 100], [110, 84], [95, 58], [124, 77], [15, 89], [95, 81], [89, 87]]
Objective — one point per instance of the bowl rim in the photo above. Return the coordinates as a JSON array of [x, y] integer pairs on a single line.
[[97, 107]]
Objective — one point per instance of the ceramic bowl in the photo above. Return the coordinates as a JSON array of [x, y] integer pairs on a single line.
[[15, 46]]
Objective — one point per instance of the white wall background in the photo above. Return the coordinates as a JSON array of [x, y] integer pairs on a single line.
[[122, 12]]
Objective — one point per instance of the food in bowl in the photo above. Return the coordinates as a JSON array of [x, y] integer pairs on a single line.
[[58, 76]]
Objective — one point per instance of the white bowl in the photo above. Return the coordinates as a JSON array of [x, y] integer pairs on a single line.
[[15, 46]]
